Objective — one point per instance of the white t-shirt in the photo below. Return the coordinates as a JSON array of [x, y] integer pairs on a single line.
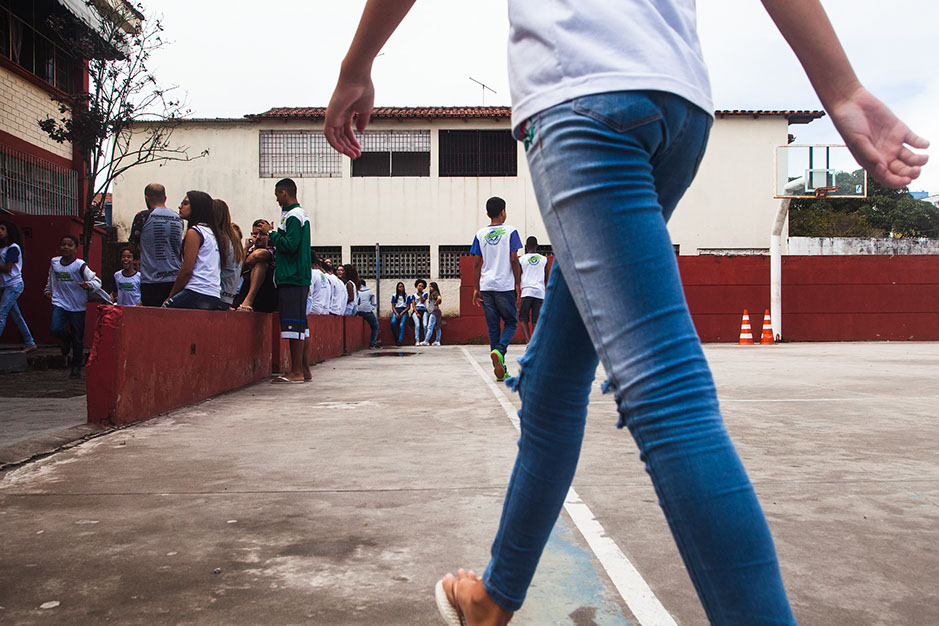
[[366, 300], [229, 276], [563, 49], [127, 288], [63, 284], [206, 274], [533, 275], [320, 294], [11, 254], [161, 246], [495, 243], [337, 302], [420, 301]]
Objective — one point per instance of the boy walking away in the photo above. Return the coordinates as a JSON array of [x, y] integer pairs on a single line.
[[70, 281], [292, 276], [496, 278], [157, 236], [534, 277], [126, 281]]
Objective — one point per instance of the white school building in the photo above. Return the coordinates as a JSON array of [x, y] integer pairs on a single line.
[[420, 188]]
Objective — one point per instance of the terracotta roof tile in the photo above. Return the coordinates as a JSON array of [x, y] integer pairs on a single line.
[[498, 112], [391, 113]]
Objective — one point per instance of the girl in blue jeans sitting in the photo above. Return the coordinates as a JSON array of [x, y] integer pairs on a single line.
[[612, 102], [400, 305]]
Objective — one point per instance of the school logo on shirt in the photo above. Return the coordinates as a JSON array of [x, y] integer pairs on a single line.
[[534, 259], [64, 277], [494, 236], [127, 286]]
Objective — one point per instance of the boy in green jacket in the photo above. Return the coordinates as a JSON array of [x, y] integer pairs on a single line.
[[292, 273]]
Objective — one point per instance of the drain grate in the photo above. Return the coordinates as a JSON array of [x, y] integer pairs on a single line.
[[383, 353]]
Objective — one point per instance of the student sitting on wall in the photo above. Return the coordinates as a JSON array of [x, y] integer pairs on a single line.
[[258, 292]]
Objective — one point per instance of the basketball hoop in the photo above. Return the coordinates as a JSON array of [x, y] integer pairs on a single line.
[[822, 192]]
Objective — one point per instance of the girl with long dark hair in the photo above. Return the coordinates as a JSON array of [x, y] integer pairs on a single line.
[[198, 284], [351, 277], [400, 304], [231, 251]]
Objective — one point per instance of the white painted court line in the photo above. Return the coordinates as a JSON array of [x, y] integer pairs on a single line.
[[854, 399], [635, 592]]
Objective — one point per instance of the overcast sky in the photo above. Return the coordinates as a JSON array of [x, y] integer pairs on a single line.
[[233, 61]]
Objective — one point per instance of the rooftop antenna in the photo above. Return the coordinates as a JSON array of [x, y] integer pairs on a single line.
[[485, 87]]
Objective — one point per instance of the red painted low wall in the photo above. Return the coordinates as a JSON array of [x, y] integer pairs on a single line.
[[146, 361], [825, 298]]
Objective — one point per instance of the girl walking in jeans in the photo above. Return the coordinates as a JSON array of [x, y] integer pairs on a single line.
[[612, 102]]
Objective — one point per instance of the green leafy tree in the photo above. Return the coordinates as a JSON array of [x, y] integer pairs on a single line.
[[110, 124], [885, 211]]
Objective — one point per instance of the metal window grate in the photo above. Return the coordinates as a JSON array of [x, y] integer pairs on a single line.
[[35, 186], [363, 258], [545, 250], [297, 153], [477, 153], [394, 140], [333, 253], [405, 262], [450, 260]]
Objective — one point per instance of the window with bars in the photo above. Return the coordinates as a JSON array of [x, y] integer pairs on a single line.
[[297, 154], [450, 260], [363, 258], [400, 261], [393, 153], [34, 186], [333, 253], [478, 153], [546, 250], [27, 40]]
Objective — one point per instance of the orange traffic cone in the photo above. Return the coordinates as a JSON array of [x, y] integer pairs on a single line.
[[767, 338], [746, 337]]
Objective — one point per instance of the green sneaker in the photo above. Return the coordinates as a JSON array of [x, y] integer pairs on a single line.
[[498, 364]]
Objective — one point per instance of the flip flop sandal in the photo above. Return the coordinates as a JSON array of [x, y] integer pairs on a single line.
[[283, 380], [452, 615]]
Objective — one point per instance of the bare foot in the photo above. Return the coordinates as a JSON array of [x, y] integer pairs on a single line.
[[307, 374], [466, 592]]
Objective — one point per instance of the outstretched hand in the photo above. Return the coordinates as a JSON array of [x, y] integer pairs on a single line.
[[879, 140], [352, 99]]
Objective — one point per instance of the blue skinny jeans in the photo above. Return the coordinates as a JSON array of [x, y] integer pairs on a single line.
[[8, 307], [501, 318], [372, 322], [419, 318], [398, 323], [431, 327], [608, 170]]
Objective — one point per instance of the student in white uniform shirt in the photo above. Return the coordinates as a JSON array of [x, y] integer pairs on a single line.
[[612, 101], [198, 284], [11, 282], [320, 288], [70, 281], [534, 277], [338, 294], [126, 281]]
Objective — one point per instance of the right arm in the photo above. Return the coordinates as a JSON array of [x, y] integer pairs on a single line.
[[354, 94], [874, 135], [477, 272], [191, 244], [47, 292]]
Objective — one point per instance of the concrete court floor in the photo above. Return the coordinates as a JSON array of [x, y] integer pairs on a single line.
[[342, 501]]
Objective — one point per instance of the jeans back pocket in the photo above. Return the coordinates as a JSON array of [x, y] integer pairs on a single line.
[[620, 111]]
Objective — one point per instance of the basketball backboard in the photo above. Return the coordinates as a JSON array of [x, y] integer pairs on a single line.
[[810, 171]]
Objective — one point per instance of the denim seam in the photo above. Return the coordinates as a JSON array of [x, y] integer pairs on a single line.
[[677, 138]]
